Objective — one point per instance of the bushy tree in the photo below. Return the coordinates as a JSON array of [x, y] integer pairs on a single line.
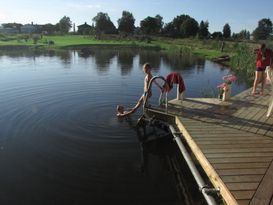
[[264, 29], [189, 28], [216, 35], [64, 25], [48, 28], [242, 35], [203, 29], [126, 24], [151, 25], [226, 31], [103, 24], [182, 26], [159, 22]]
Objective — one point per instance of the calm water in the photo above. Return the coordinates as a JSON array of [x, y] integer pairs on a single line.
[[60, 141]]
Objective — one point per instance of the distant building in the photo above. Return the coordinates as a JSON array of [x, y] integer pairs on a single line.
[[8, 30], [28, 28], [84, 29]]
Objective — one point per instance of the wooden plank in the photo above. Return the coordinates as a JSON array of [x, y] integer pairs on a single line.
[[242, 186], [232, 142], [264, 123], [223, 135], [254, 115], [238, 150], [270, 133], [239, 195], [236, 145], [243, 202], [240, 155], [240, 165], [212, 137], [212, 174], [230, 172], [240, 178], [268, 123], [264, 192], [240, 160]]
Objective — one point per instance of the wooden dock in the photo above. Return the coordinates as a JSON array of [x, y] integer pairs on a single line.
[[233, 142]]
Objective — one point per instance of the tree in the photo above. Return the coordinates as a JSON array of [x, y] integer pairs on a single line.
[[126, 24], [159, 22], [49, 28], [264, 29], [226, 31], [242, 35], [151, 25], [182, 26], [189, 28], [64, 25], [103, 24], [216, 35], [203, 29]]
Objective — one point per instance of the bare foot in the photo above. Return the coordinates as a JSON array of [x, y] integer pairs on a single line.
[[262, 93]]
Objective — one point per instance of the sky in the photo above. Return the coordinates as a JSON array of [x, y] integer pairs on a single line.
[[239, 14]]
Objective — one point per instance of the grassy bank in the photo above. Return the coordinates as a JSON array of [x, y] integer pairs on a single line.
[[205, 48]]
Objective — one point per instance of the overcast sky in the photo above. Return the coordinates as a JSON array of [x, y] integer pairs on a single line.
[[240, 14]]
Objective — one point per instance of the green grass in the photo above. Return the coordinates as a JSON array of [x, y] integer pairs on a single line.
[[69, 41]]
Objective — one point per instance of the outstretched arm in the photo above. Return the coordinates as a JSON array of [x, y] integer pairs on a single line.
[[126, 113]]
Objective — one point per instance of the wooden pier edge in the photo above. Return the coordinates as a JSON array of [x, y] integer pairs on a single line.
[[213, 176]]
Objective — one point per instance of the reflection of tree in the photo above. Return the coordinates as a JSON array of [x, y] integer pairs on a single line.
[[125, 60], [103, 58], [65, 57], [86, 52], [182, 62], [200, 64], [152, 57]]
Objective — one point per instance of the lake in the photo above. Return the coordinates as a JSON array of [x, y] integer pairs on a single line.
[[60, 139]]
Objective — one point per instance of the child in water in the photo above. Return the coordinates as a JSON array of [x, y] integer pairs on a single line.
[[148, 76]]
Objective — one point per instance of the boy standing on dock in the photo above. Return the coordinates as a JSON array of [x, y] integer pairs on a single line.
[[147, 93]]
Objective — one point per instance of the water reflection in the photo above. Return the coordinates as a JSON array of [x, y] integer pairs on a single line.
[[182, 62], [125, 60], [152, 57]]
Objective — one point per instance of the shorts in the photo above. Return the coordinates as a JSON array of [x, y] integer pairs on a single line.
[[259, 69]]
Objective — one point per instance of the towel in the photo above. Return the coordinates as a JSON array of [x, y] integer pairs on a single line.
[[176, 78]]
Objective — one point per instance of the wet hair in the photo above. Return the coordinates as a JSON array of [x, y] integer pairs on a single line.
[[147, 65]]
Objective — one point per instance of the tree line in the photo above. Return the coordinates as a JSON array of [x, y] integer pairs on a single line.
[[182, 26]]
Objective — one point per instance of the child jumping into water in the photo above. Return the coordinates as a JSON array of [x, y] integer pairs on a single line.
[[148, 76]]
